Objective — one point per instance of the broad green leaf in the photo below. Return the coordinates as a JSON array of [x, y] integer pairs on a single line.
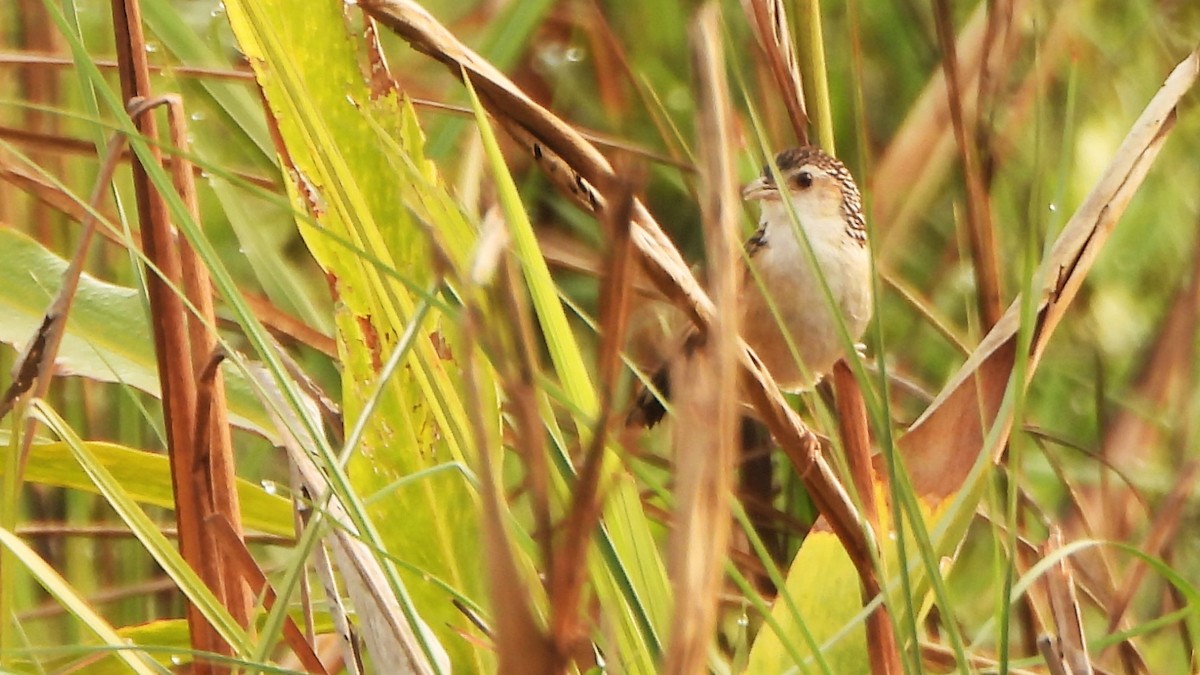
[[822, 590], [108, 338], [166, 640], [146, 476], [825, 588], [374, 255]]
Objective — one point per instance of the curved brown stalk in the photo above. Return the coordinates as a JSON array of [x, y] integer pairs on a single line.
[[579, 170]]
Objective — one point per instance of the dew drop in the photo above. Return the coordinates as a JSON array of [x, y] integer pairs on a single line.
[[218, 11], [269, 487], [176, 660], [1053, 207], [151, 47], [574, 54], [743, 621], [550, 57], [197, 116]]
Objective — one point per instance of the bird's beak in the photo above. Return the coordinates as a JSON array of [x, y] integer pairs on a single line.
[[760, 189]]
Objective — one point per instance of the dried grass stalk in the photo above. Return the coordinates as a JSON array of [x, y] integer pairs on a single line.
[[942, 445], [768, 19], [705, 430]]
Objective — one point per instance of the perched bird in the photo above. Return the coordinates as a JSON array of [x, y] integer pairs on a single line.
[[827, 203]]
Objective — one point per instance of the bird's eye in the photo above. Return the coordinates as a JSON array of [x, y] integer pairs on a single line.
[[804, 179]]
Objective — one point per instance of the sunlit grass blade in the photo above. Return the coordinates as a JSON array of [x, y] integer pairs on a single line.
[[564, 348], [626, 524], [146, 478]]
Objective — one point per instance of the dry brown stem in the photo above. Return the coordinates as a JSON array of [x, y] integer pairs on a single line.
[[856, 442], [980, 228], [705, 431], [580, 171], [768, 19], [168, 319], [214, 424]]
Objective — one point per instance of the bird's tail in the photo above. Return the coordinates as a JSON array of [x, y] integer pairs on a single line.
[[648, 407]]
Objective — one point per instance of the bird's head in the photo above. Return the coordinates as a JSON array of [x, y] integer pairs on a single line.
[[819, 186]]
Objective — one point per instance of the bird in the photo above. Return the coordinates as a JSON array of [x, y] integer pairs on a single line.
[[828, 205]]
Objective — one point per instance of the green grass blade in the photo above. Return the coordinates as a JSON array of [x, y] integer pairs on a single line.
[[136, 661], [147, 531], [146, 478]]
